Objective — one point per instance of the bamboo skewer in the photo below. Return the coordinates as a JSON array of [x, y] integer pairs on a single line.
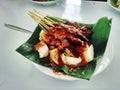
[[40, 13], [41, 19], [44, 21]]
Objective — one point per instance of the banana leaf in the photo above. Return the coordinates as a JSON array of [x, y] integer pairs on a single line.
[[99, 39], [113, 2]]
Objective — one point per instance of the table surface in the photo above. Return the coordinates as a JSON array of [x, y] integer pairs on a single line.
[[17, 72]]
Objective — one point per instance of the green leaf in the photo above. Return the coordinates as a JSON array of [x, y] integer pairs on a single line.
[[113, 2], [28, 51], [101, 31]]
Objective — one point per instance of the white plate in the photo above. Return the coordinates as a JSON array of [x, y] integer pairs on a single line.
[[102, 64], [45, 2], [109, 3]]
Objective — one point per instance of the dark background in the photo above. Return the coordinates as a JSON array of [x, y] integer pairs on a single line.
[[96, 0]]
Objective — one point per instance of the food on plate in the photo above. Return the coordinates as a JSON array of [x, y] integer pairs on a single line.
[[115, 3], [118, 4], [72, 48], [67, 44], [43, 0], [64, 43]]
